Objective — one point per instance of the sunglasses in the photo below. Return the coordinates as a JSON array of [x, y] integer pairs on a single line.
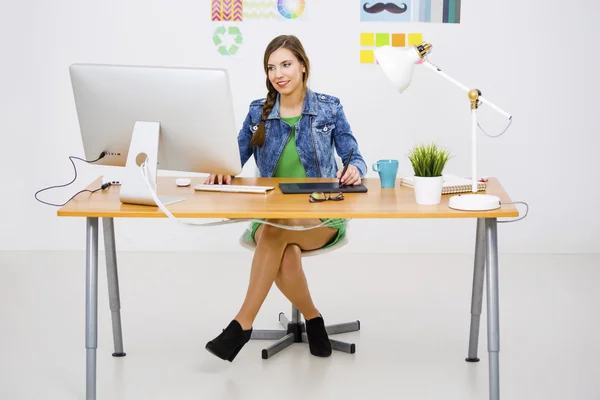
[[318, 197]]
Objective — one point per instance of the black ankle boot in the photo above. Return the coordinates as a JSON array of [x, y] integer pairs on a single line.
[[229, 343], [318, 341]]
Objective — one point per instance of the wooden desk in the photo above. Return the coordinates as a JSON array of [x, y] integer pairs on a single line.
[[398, 202]]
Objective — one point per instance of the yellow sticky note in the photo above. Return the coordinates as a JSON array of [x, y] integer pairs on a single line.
[[415, 38], [367, 57], [367, 39]]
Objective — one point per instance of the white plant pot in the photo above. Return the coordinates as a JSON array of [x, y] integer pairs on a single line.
[[428, 190]]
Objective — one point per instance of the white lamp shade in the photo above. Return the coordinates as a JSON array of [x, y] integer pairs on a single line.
[[398, 63]]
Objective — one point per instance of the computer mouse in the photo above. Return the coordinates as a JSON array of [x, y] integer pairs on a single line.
[[183, 182]]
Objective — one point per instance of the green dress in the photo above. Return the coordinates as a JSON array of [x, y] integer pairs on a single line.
[[290, 166]]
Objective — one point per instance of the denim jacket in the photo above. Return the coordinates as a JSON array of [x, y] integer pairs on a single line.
[[322, 127]]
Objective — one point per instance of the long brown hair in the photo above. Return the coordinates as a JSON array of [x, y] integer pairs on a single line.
[[292, 44]]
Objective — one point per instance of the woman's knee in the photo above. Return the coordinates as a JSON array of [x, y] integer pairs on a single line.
[[291, 261], [270, 233]]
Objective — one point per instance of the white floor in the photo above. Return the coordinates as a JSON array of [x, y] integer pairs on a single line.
[[414, 314]]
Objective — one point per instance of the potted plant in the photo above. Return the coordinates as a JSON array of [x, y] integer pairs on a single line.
[[428, 162]]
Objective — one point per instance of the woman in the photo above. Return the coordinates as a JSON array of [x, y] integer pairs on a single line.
[[291, 133]]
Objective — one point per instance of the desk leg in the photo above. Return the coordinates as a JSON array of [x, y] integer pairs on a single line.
[[113, 285], [477, 294], [91, 305], [493, 319]]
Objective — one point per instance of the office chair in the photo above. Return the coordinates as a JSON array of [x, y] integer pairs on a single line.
[[295, 330]]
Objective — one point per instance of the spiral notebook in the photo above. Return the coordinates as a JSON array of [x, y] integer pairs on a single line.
[[452, 184]]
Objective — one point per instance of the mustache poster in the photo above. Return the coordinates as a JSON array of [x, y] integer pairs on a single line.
[[380, 7], [440, 11], [389, 11]]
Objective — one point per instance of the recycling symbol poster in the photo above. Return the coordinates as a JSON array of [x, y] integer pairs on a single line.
[[228, 40]]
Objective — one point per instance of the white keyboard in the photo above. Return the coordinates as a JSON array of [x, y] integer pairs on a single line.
[[234, 188]]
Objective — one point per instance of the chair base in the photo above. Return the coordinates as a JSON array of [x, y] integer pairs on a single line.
[[295, 332]]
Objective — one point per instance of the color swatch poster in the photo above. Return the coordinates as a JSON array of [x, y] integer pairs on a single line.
[[440, 11], [247, 10]]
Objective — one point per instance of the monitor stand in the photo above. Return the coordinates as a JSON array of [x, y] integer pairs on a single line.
[[144, 145]]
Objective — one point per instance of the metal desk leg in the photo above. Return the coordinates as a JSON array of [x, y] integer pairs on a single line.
[[477, 294], [113, 285], [91, 305], [493, 319]]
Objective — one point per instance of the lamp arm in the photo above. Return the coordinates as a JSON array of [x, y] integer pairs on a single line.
[[465, 89], [474, 97]]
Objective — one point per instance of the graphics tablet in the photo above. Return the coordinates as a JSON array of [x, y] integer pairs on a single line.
[[301, 188]]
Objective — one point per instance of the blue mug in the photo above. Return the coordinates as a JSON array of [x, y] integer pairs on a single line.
[[388, 169]]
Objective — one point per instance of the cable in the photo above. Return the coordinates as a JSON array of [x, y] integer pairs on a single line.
[[81, 191], [71, 158], [518, 219], [498, 135], [146, 173]]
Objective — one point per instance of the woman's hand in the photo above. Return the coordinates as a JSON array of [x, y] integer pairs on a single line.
[[351, 177], [220, 179]]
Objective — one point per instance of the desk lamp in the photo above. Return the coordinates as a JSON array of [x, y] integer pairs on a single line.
[[398, 64]]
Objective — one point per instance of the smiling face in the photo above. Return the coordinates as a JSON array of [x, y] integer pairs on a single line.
[[285, 71]]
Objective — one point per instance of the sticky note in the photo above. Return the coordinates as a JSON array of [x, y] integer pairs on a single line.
[[398, 40], [415, 38], [367, 39], [382, 39], [367, 57]]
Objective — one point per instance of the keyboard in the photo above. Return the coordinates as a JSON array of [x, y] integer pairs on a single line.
[[234, 188]]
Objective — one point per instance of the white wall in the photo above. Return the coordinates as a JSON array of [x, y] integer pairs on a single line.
[[533, 58]]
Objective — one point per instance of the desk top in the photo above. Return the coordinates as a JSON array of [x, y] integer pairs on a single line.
[[398, 202]]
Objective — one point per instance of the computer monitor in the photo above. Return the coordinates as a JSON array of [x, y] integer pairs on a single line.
[[179, 119]]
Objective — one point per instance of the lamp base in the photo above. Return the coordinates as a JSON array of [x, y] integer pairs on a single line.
[[474, 202]]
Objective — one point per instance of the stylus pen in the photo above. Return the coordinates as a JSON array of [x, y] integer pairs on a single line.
[[346, 165]]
